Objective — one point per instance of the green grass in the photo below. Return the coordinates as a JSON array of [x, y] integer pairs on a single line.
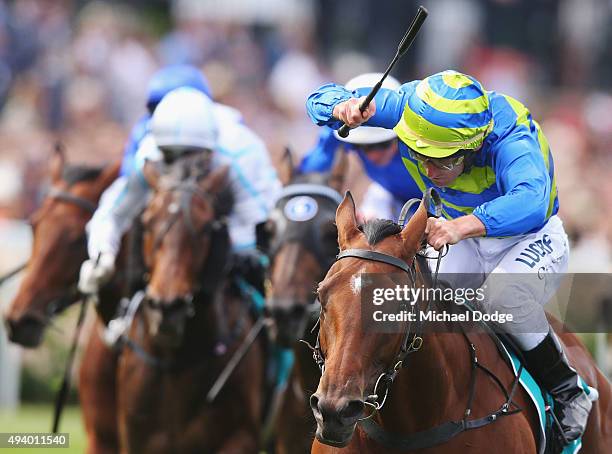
[[38, 418]]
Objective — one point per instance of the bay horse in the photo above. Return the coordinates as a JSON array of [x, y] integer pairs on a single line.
[[363, 383], [301, 247], [49, 286], [172, 352]]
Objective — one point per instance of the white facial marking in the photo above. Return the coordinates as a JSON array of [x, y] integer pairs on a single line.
[[356, 282]]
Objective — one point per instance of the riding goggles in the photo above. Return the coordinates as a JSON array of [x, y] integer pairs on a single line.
[[441, 163], [171, 154]]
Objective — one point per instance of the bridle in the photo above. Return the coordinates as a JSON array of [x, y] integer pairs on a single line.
[[188, 189], [72, 294], [411, 342]]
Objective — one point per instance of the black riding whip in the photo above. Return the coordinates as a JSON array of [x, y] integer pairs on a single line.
[[404, 45]]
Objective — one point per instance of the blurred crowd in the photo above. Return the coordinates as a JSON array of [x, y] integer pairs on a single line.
[[77, 71]]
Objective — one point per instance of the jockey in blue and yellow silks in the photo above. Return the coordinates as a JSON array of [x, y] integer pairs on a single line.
[[494, 171]]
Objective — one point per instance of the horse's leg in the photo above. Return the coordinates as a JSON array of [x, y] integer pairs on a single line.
[[97, 386]]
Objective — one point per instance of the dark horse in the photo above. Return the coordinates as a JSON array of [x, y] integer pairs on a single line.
[[172, 353], [49, 286], [434, 386], [301, 246]]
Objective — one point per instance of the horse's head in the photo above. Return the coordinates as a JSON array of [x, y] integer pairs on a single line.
[[354, 357], [58, 249], [184, 233], [300, 239]]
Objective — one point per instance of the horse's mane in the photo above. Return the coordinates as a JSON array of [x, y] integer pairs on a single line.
[[72, 174], [377, 230]]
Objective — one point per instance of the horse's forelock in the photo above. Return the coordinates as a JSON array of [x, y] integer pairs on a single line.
[[377, 230]]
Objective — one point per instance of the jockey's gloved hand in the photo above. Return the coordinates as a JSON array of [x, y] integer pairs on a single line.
[[95, 273]]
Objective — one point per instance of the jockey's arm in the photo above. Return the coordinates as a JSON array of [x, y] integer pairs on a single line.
[[119, 205], [523, 179], [385, 111], [138, 132], [253, 181]]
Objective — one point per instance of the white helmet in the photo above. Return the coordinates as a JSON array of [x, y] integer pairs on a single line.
[[185, 119], [364, 135]]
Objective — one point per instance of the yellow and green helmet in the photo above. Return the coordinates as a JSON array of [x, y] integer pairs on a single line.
[[447, 112]]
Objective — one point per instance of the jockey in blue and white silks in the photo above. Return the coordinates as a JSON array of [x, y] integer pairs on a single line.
[[377, 149], [185, 119], [494, 171]]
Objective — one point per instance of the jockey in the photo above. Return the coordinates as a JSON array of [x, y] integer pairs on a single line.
[[494, 172], [378, 151], [163, 81], [185, 121]]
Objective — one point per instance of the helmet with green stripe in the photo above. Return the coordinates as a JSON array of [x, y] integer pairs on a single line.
[[446, 113]]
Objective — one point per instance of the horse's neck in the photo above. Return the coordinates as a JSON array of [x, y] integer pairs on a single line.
[[432, 388]]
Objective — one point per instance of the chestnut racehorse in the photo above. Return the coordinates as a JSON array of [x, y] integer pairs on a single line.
[[300, 251], [187, 327], [49, 286], [434, 386]]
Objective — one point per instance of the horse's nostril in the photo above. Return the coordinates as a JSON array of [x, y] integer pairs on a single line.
[[314, 403], [352, 410]]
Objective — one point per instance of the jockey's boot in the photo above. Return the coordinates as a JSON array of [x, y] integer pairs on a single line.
[[550, 367]]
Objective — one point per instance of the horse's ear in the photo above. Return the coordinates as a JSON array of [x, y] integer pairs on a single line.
[[346, 221], [150, 170], [412, 234], [285, 169], [339, 169], [58, 159], [216, 181]]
